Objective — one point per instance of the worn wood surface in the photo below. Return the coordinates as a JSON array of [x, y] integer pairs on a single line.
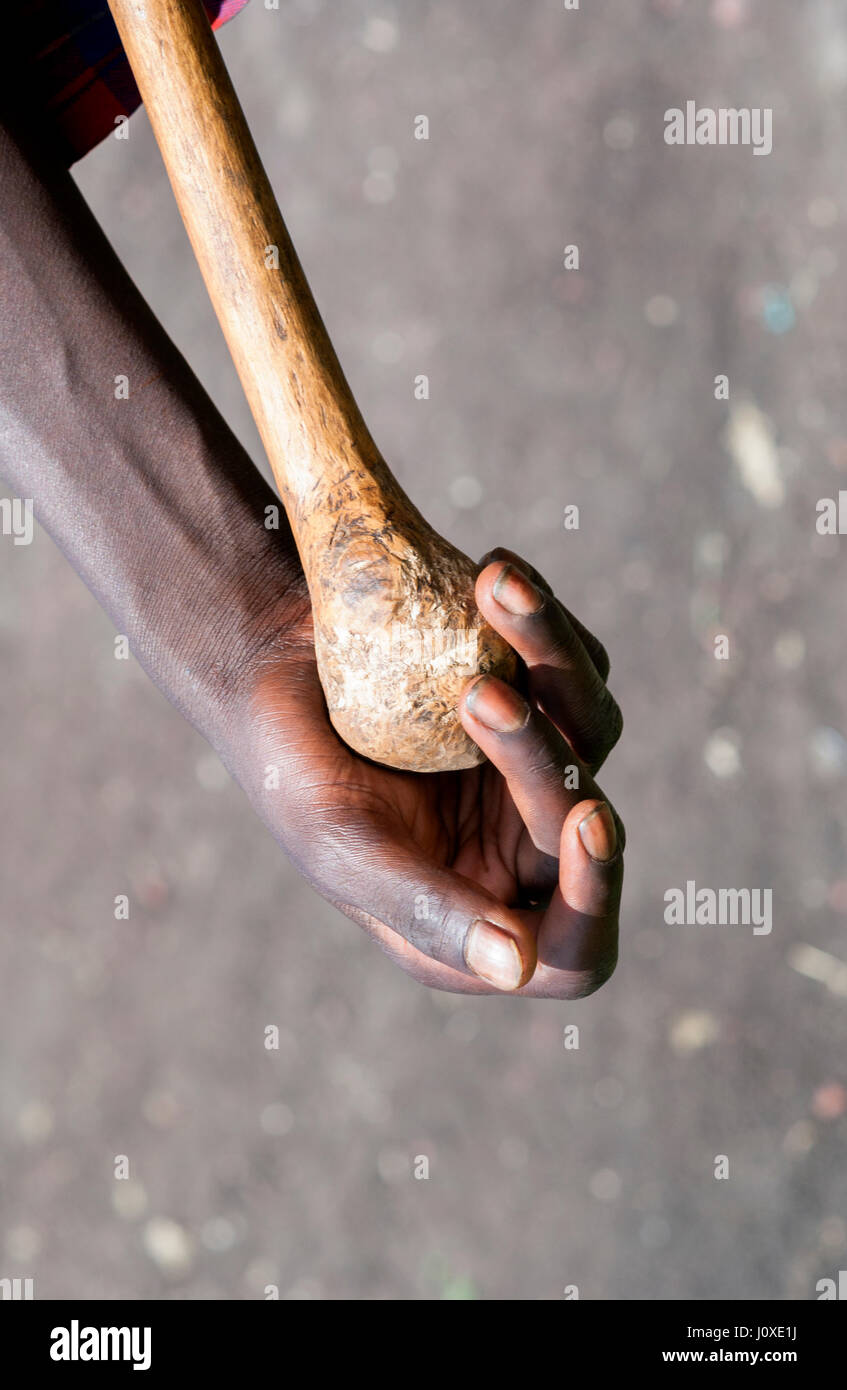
[[397, 631]]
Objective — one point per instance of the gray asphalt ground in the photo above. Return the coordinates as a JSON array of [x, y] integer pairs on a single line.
[[548, 1167]]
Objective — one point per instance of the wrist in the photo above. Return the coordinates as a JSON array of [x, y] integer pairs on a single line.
[[212, 589]]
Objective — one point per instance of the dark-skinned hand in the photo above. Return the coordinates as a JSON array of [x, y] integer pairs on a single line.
[[502, 877]]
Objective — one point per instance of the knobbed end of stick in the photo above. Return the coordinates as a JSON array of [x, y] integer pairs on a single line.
[[398, 637], [392, 692]]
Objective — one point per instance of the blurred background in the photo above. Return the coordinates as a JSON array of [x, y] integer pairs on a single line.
[[548, 1167]]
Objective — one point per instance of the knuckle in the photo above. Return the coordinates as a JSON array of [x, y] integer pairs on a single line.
[[614, 721], [434, 926], [602, 726], [543, 763], [562, 646], [594, 647], [591, 741], [589, 981], [601, 660]]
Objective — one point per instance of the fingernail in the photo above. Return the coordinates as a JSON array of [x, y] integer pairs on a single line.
[[497, 706], [493, 955], [598, 834], [517, 594]]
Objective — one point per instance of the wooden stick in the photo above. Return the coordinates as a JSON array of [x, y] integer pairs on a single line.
[[397, 632]]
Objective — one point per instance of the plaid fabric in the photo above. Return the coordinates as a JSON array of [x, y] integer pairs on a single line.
[[70, 60]]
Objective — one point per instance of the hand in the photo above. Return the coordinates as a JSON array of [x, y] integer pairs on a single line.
[[502, 877], [215, 607]]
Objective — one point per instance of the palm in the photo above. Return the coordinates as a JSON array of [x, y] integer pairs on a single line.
[[465, 821]]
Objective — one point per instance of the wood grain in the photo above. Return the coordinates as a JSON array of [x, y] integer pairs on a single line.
[[397, 630]]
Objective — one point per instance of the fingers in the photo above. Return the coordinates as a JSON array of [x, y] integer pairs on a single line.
[[544, 776], [578, 937], [422, 968], [563, 677], [373, 870], [592, 644]]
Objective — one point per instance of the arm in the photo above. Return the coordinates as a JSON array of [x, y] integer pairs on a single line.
[[502, 877], [152, 499]]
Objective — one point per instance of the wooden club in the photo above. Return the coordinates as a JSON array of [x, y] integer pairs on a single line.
[[397, 631]]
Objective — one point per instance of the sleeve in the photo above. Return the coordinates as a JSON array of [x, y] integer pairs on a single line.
[[69, 60]]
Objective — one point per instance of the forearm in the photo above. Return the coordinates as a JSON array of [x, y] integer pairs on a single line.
[[151, 497]]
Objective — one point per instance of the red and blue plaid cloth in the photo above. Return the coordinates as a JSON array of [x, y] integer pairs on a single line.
[[70, 57]]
